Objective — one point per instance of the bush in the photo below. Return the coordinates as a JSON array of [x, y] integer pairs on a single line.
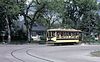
[[90, 39], [43, 40]]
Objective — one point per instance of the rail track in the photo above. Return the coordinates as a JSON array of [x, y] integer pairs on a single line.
[[12, 53], [38, 57], [31, 55]]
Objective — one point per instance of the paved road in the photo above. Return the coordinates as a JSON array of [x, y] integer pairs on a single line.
[[43, 53]]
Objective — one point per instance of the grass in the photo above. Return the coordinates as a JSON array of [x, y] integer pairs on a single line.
[[96, 53]]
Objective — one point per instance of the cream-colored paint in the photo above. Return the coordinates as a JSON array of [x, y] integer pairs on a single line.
[[57, 41], [54, 38], [64, 41], [67, 41]]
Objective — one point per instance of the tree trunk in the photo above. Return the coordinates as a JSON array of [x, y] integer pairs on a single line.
[[29, 33], [28, 28], [31, 30], [9, 31], [29, 38]]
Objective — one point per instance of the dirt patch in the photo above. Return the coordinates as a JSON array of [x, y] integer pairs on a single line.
[[96, 53]]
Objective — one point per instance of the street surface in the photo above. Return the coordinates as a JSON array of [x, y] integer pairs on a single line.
[[44, 53]]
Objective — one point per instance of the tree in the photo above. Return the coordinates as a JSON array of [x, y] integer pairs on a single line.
[[75, 10], [39, 8], [9, 11], [33, 5]]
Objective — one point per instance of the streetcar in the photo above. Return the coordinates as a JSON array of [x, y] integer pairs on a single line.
[[63, 36]]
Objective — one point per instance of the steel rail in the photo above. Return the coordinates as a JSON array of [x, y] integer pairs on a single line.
[[12, 53], [38, 57]]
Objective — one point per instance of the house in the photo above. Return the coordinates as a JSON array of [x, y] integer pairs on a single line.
[[38, 30]]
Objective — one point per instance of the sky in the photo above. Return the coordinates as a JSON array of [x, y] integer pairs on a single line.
[[98, 0], [21, 18], [28, 1]]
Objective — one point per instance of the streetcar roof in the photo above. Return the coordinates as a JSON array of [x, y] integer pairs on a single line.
[[72, 30]]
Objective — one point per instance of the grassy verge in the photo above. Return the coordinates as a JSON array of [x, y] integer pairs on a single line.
[[96, 54]]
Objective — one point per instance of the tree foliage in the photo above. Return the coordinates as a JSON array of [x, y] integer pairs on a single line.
[[77, 14], [9, 11]]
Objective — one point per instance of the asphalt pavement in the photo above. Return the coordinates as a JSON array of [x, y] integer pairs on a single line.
[[44, 53]]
